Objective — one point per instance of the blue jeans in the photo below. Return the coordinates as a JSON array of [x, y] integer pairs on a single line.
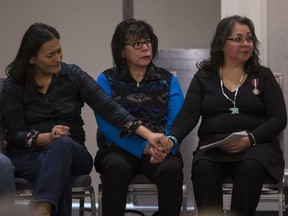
[[52, 171], [7, 184]]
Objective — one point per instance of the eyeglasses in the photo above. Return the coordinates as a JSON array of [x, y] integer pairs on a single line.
[[240, 39], [139, 44]]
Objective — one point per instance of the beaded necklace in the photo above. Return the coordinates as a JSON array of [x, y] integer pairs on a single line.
[[234, 109]]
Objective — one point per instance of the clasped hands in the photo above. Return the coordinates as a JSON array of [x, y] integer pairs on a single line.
[[159, 146]]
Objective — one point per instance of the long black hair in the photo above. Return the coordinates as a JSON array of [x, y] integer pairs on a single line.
[[223, 30], [20, 68]]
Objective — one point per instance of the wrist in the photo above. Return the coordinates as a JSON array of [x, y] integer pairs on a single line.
[[252, 139], [173, 139], [131, 128], [31, 139]]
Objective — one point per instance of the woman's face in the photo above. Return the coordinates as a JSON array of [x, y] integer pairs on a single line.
[[239, 45], [48, 60], [138, 53]]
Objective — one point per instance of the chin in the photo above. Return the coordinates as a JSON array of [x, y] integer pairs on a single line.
[[57, 70]]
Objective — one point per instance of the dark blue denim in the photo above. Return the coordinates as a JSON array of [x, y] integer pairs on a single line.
[[52, 171], [7, 185]]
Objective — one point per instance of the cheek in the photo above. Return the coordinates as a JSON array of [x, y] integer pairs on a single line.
[[229, 50]]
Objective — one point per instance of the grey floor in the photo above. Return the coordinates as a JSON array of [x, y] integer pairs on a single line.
[[21, 211]]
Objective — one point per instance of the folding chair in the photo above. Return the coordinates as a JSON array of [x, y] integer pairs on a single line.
[[141, 185]]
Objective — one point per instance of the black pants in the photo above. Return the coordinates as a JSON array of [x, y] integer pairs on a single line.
[[247, 176], [118, 167]]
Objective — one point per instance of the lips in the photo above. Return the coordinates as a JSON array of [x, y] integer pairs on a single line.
[[146, 57], [246, 52]]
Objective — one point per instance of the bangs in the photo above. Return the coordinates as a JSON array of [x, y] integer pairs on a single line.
[[134, 33]]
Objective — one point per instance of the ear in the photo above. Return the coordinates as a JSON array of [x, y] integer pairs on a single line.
[[122, 54], [32, 60]]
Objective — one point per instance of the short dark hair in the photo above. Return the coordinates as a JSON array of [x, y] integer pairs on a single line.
[[223, 30], [20, 68], [131, 29]]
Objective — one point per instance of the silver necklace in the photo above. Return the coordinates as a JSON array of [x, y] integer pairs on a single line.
[[234, 110]]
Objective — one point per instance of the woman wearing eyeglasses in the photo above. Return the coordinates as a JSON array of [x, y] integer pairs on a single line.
[[232, 92], [152, 95]]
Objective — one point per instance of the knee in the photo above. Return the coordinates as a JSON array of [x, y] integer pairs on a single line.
[[6, 165], [117, 168], [202, 168], [172, 169], [64, 142], [251, 168]]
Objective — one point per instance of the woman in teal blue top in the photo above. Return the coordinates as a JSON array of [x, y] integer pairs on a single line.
[[152, 95]]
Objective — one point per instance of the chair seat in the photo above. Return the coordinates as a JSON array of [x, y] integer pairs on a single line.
[[141, 179], [269, 184], [81, 188], [78, 181], [140, 185], [82, 181], [22, 183]]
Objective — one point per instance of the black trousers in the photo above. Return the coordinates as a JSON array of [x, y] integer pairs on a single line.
[[118, 167], [247, 176]]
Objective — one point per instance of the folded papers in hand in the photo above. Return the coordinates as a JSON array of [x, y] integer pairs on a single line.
[[229, 139]]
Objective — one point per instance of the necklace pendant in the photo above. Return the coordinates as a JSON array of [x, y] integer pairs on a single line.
[[234, 110]]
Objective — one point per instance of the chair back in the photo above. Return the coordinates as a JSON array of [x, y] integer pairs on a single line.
[[280, 79], [1, 122]]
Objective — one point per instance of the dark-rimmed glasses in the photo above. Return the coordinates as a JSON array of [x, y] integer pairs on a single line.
[[240, 39], [139, 44]]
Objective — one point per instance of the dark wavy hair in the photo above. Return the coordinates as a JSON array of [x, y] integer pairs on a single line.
[[211, 65], [131, 29], [20, 68]]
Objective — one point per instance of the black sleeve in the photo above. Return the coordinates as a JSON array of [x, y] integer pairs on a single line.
[[275, 109], [189, 114]]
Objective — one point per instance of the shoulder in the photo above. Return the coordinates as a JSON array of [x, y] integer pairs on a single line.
[[159, 74], [74, 73], [264, 72], [70, 68], [109, 72], [11, 83], [203, 75], [164, 72]]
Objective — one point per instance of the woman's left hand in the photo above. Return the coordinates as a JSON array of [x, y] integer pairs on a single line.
[[237, 146]]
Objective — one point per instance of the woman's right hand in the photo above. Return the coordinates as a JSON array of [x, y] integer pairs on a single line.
[[59, 130], [157, 156]]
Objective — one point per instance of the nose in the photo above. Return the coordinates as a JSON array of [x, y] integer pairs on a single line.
[[244, 42], [58, 57], [144, 46]]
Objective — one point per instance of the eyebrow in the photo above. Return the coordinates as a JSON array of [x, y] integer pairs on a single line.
[[54, 51], [239, 34]]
